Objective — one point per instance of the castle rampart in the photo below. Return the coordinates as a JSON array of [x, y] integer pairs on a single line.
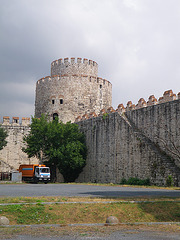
[[130, 144], [168, 96], [11, 156], [15, 121]]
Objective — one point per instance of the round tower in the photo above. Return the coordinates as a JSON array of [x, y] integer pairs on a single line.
[[73, 89]]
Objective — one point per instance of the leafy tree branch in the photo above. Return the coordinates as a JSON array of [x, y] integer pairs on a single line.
[[3, 136], [63, 145]]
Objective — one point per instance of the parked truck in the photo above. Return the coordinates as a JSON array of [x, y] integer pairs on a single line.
[[35, 172]]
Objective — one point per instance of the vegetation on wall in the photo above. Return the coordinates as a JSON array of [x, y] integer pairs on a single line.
[[105, 115], [169, 181], [3, 136], [62, 144]]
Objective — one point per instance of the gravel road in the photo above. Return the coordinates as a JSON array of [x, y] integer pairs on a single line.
[[118, 235], [71, 190]]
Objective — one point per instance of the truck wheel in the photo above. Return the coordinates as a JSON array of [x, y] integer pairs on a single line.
[[35, 180]]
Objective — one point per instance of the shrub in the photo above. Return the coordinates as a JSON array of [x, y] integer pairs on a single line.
[[169, 181], [123, 181], [135, 181], [105, 115]]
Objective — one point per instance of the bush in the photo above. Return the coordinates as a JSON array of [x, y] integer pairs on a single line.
[[135, 181], [169, 181], [105, 115], [123, 181]]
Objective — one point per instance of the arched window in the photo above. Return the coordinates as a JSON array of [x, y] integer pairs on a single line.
[[55, 115], [61, 101]]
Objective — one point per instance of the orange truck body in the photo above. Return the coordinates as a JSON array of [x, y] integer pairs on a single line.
[[28, 170]]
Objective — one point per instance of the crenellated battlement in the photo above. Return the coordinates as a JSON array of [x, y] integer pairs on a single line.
[[167, 97], [72, 66], [15, 121], [92, 79], [72, 60]]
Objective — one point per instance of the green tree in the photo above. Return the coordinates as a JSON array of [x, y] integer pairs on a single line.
[[3, 136], [63, 145]]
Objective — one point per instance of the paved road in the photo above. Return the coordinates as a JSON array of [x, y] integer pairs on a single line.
[[70, 190], [123, 235]]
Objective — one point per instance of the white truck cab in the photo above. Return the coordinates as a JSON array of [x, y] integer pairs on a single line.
[[42, 174]]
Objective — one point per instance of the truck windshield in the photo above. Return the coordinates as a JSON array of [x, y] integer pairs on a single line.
[[44, 170]]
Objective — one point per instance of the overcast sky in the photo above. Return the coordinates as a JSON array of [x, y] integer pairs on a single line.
[[136, 44]]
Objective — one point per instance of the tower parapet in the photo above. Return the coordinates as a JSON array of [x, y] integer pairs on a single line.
[[74, 66]]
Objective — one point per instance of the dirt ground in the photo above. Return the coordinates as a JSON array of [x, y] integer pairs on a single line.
[[125, 232]]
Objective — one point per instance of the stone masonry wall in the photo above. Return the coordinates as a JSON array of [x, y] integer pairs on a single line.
[[85, 67], [12, 155], [73, 89], [161, 124], [117, 149]]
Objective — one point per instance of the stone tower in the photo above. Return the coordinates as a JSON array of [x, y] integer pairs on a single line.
[[73, 89]]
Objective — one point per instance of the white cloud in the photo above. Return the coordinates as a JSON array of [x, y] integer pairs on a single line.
[[134, 4]]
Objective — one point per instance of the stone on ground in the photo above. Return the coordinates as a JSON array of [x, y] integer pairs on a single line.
[[4, 220], [112, 220]]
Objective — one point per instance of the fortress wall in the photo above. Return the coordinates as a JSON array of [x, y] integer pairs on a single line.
[[12, 155], [115, 150], [160, 123]]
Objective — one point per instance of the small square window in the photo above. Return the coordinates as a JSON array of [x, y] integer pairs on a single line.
[[53, 101], [61, 101]]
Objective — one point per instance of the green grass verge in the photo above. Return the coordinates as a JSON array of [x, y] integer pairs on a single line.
[[81, 199], [103, 184], [158, 211]]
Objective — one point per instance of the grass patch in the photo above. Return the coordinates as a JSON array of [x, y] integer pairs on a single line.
[[80, 199], [26, 214], [124, 185], [160, 211], [52, 199]]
